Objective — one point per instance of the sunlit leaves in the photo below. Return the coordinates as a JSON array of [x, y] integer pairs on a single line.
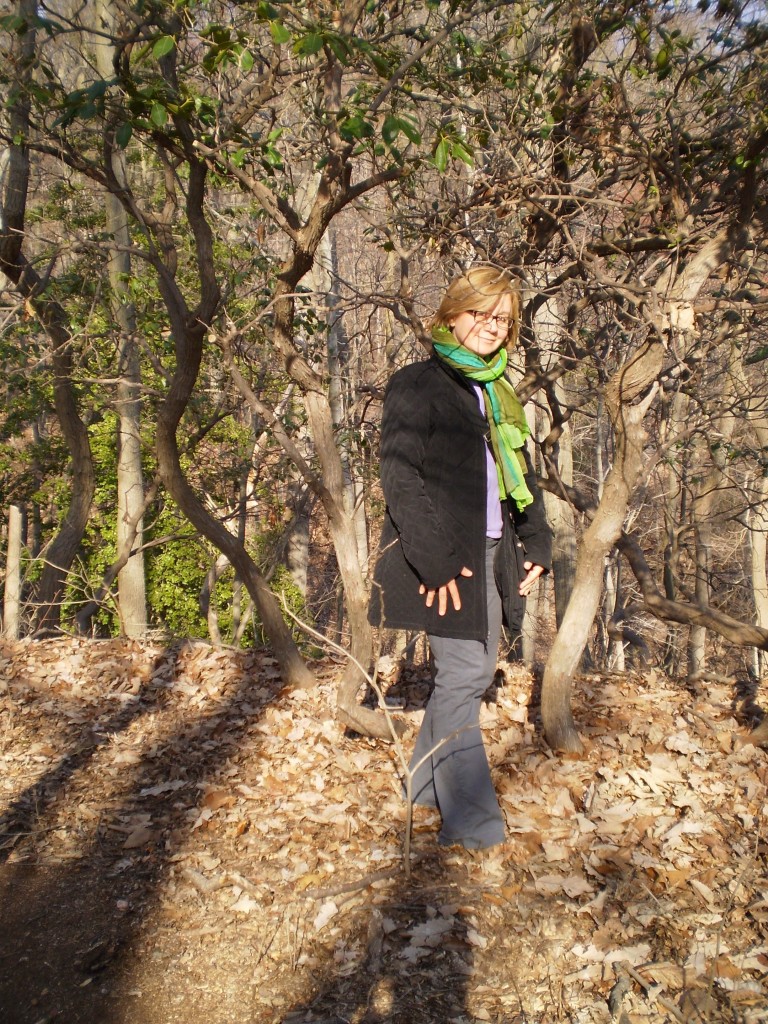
[[395, 126], [280, 34], [451, 148], [163, 46], [158, 115], [309, 44], [355, 127], [272, 155]]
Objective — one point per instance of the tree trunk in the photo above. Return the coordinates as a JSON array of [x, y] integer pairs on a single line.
[[561, 518], [758, 521], [743, 634], [297, 546], [294, 670], [631, 381], [343, 534], [207, 601], [758, 532], [674, 471], [12, 589], [713, 485], [87, 611], [326, 273], [131, 580], [614, 643], [189, 329]]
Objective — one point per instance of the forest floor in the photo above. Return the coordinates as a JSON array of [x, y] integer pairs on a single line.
[[184, 840]]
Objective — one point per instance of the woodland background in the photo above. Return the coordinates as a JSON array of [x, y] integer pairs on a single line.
[[221, 230], [222, 227]]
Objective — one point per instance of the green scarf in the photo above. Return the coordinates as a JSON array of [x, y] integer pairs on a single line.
[[508, 426]]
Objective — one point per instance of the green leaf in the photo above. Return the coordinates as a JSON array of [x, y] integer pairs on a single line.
[[311, 43], [280, 34], [380, 66], [410, 131], [390, 129], [158, 115], [163, 46], [273, 157], [266, 12], [13, 23], [246, 60], [355, 127], [340, 48], [123, 134], [393, 126], [758, 356], [442, 154], [461, 152]]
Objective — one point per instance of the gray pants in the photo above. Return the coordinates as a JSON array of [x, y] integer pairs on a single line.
[[456, 778]]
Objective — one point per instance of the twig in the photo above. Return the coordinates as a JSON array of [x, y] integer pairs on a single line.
[[204, 885], [670, 1007], [702, 718], [244, 883], [360, 883], [37, 832], [651, 990]]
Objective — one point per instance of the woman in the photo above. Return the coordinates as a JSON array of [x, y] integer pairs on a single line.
[[464, 539]]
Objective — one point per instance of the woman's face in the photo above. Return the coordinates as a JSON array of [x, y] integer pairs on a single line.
[[484, 336]]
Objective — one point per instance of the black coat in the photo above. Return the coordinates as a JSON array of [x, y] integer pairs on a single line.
[[433, 472]]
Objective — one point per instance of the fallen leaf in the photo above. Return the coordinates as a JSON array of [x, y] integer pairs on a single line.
[[328, 911], [245, 905], [139, 837]]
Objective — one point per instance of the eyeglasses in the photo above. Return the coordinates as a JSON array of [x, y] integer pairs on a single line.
[[483, 317]]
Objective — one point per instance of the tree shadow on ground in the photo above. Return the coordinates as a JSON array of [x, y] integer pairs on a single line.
[[418, 954], [67, 926]]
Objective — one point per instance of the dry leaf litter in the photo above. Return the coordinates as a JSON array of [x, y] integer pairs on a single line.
[[183, 839]]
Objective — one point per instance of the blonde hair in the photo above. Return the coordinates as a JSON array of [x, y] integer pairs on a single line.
[[480, 288]]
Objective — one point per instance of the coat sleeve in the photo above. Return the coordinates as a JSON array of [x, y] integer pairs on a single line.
[[531, 525], [405, 431]]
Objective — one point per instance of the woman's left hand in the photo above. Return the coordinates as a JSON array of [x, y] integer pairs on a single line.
[[526, 584]]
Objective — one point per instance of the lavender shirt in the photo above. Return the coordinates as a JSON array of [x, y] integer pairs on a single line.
[[493, 501]]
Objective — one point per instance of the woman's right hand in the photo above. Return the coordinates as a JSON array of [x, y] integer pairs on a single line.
[[443, 593]]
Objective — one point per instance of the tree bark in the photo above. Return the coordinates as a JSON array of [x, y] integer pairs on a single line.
[[294, 670], [12, 589], [674, 472], [124, 550], [634, 379], [758, 532], [719, 435], [131, 581], [756, 405]]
